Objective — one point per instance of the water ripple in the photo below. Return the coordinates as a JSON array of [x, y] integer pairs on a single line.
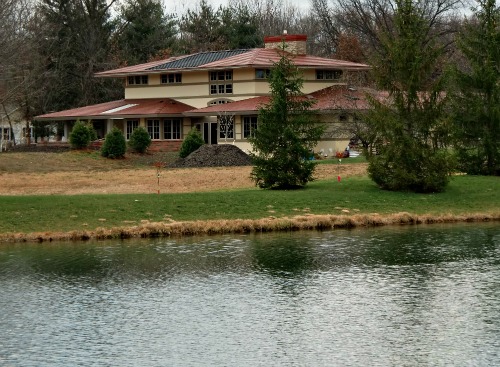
[[400, 296]]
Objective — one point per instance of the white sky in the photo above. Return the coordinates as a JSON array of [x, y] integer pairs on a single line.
[[181, 6]]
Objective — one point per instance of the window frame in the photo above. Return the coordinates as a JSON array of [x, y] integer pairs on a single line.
[[249, 126], [229, 132], [219, 82], [174, 130], [153, 127], [329, 74], [171, 78], [262, 74], [138, 80], [131, 125]]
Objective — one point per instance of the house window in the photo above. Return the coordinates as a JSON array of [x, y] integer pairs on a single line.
[[215, 102], [26, 132], [172, 129], [328, 74], [131, 126], [6, 133], [137, 79], [219, 82], [226, 127], [262, 73], [171, 78], [249, 126], [154, 129]]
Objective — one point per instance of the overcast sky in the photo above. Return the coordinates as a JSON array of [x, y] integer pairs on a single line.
[[180, 6]]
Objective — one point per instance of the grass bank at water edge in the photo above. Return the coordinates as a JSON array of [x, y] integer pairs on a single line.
[[357, 196]]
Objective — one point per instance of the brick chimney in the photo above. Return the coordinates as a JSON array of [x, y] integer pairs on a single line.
[[296, 43]]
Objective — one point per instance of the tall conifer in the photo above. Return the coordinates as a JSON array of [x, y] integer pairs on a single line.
[[476, 96], [286, 132]]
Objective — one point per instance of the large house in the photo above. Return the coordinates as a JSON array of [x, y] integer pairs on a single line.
[[219, 93]]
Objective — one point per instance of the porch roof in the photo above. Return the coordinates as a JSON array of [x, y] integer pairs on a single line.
[[123, 108], [334, 98]]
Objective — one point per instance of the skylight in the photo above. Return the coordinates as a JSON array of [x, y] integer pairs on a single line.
[[121, 108]]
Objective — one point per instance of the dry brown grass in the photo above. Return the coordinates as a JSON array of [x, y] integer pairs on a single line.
[[144, 180], [307, 222]]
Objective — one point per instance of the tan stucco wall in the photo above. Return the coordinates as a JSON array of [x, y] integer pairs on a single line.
[[195, 87]]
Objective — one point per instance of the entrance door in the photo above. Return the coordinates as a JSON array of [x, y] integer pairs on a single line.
[[210, 132]]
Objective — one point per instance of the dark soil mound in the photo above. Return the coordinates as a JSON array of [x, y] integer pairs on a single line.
[[214, 156]]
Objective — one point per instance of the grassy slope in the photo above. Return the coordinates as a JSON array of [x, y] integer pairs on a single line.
[[465, 194]]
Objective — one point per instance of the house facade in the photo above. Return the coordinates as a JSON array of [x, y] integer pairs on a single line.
[[219, 93], [12, 127]]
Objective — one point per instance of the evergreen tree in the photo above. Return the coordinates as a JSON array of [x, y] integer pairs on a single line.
[[80, 136], [225, 28], [476, 94], [410, 123], [114, 145], [239, 28], [145, 31], [286, 132], [140, 140], [191, 142], [73, 45], [201, 29]]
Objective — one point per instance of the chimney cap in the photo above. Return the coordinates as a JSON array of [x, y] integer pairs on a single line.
[[285, 38]]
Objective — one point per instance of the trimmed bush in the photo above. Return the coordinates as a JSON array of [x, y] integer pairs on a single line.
[[193, 141], [92, 132], [80, 136], [114, 145], [139, 140]]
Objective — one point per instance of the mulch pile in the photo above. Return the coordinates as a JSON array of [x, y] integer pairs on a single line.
[[223, 155]]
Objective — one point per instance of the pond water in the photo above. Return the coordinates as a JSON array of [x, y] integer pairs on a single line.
[[392, 296]]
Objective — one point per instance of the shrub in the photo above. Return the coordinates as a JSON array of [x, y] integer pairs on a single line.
[[411, 169], [139, 140], [193, 141], [114, 145], [92, 132], [79, 137]]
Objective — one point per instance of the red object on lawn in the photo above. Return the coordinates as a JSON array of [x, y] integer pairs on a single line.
[[338, 178]]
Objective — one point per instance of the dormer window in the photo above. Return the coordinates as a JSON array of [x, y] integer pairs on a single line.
[[171, 78], [221, 82], [328, 74], [137, 79]]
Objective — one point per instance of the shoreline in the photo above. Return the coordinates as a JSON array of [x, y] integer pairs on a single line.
[[241, 226]]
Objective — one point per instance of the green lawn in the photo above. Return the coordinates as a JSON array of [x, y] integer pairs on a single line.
[[465, 194]]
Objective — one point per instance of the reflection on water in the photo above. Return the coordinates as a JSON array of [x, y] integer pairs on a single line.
[[387, 296]]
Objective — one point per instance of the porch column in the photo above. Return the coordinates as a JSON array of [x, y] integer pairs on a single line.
[[66, 131], [109, 126]]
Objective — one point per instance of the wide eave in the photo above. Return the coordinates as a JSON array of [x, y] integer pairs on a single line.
[[120, 109]]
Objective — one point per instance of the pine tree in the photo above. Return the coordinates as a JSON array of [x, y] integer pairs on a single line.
[[145, 31], [286, 132], [410, 123], [476, 94]]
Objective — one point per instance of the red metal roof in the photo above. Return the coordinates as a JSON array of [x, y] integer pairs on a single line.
[[338, 97], [249, 105], [257, 57], [124, 108]]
